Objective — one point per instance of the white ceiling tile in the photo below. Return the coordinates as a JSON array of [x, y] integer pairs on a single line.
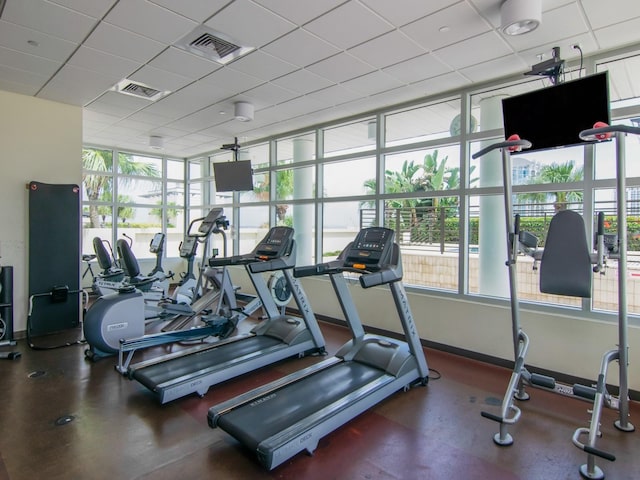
[[262, 65], [197, 10], [602, 14], [498, 67], [302, 81], [196, 121], [91, 59], [408, 11], [117, 104], [337, 26], [619, 34], [150, 20], [160, 79], [388, 49], [340, 67], [371, 83], [49, 18], [269, 94], [418, 68], [441, 83], [123, 43], [184, 63], [300, 48], [473, 51], [16, 37], [299, 12], [77, 86], [30, 81], [29, 63], [334, 95], [461, 20], [299, 106], [93, 8], [231, 81], [257, 26]]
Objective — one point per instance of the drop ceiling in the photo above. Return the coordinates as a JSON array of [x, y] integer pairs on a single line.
[[309, 61]]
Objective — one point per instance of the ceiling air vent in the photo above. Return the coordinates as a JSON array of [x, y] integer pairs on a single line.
[[137, 89], [213, 45]]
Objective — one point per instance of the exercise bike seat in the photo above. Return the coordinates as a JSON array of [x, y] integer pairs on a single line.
[[109, 270], [132, 267]]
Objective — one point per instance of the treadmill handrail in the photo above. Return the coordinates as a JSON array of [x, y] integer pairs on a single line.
[[501, 145], [600, 133]]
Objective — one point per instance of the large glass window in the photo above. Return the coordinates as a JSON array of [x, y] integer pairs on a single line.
[[423, 123], [351, 138], [349, 178]]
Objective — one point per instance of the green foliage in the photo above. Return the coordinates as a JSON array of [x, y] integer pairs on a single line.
[[95, 164]]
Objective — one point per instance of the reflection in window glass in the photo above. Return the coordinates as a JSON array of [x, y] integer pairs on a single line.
[[422, 170], [488, 274], [260, 192], [196, 168], [605, 287], [96, 188], [298, 149], [130, 164], [97, 160], [351, 138], [605, 161], [301, 217], [295, 183], [195, 194], [562, 165], [258, 154], [175, 169], [423, 123], [254, 225], [348, 178], [341, 222], [136, 190], [427, 230], [175, 193]]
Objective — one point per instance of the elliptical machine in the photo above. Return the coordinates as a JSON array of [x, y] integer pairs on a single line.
[[190, 288], [116, 322]]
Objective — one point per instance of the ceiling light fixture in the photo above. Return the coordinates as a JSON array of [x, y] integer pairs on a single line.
[[243, 111], [156, 142], [520, 16]]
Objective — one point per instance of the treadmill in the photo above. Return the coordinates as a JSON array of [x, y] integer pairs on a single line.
[[292, 414], [277, 337]]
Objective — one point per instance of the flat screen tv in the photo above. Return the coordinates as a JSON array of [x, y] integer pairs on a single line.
[[233, 176], [553, 117]]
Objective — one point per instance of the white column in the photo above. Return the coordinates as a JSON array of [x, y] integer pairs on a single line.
[[303, 220], [492, 236]]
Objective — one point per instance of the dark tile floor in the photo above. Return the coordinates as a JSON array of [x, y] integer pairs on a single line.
[[119, 431]]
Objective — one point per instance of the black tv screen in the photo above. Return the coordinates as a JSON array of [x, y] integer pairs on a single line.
[[233, 176], [553, 117]]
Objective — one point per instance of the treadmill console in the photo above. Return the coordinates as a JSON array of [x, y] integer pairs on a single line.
[[371, 249], [275, 244], [210, 221], [188, 247], [156, 243]]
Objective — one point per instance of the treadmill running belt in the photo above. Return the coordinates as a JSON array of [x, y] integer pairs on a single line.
[[163, 372], [258, 420]]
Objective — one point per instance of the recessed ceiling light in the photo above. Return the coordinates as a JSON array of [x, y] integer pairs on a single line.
[[33, 43], [444, 29]]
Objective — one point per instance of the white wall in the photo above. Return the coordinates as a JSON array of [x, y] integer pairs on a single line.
[[39, 140]]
